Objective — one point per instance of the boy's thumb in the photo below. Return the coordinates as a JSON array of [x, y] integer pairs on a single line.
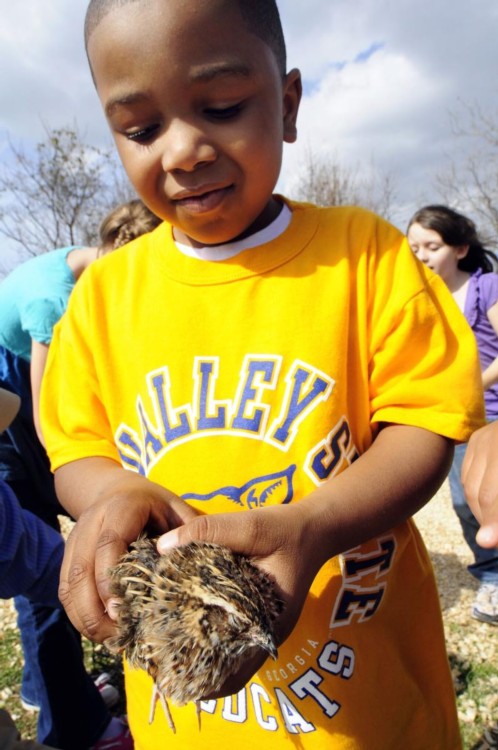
[[229, 529], [171, 539], [199, 529]]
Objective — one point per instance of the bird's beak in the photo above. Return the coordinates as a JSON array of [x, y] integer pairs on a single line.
[[265, 641]]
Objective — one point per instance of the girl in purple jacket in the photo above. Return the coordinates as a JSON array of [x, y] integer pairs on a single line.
[[448, 243]]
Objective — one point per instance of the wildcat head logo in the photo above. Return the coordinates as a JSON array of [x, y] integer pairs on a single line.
[[256, 492]]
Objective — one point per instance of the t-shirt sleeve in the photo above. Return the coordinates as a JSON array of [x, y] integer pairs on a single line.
[[70, 393], [30, 553], [488, 283], [40, 315], [424, 366]]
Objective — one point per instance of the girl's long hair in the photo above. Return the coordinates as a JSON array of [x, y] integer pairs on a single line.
[[456, 230]]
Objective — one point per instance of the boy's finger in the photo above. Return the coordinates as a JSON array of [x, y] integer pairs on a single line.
[[80, 599], [200, 529], [78, 590], [227, 529], [110, 547]]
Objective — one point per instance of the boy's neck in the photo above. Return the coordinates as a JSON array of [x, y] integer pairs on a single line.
[[265, 218], [231, 249]]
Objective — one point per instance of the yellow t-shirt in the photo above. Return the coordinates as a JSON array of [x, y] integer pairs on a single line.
[[248, 382]]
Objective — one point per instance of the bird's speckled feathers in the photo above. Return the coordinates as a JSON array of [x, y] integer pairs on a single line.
[[189, 617]]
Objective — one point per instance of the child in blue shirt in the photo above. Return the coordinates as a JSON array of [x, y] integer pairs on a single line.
[[30, 551], [31, 555]]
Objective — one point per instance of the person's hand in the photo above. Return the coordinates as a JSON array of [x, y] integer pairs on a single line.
[[275, 539], [480, 482], [102, 534]]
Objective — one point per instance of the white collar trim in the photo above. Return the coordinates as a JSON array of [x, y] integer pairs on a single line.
[[231, 249]]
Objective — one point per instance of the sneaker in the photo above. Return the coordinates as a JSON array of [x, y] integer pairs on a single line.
[[109, 693], [28, 706], [488, 741], [485, 605], [121, 741]]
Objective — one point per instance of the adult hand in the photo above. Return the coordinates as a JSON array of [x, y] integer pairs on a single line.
[[480, 482]]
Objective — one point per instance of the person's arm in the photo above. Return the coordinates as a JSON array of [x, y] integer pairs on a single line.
[[39, 354], [394, 478], [490, 374], [113, 506], [480, 482], [30, 553]]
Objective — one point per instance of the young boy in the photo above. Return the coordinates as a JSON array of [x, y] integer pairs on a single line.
[[263, 374]]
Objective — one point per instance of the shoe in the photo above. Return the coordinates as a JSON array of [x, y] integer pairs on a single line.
[[121, 741], [485, 605], [109, 693], [488, 741], [28, 706]]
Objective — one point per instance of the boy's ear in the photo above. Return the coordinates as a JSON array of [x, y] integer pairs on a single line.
[[292, 93]]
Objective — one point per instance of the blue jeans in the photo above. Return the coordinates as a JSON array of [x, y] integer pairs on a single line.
[[72, 713], [485, 565]]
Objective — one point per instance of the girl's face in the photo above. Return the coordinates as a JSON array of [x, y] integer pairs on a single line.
[[430, 248]]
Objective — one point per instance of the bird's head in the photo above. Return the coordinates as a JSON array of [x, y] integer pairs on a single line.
[[264, 639]]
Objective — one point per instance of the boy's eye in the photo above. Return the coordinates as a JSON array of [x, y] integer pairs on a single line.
[[144, 135], [223, 113]]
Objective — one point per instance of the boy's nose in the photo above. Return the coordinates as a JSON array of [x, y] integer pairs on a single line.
[[185, 148]]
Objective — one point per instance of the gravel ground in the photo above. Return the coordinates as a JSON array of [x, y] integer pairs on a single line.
[[470, 643], [450, 555]]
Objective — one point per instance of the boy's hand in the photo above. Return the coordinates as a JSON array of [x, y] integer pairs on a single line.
[[275, 540], [480, 481], [126, 505]]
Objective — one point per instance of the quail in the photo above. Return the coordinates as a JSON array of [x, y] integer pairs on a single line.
[[190, 617]]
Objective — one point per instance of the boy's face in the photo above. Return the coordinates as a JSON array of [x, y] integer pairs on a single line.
[[199, 112]]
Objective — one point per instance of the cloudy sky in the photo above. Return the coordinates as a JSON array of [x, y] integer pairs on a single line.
[[381, 79]]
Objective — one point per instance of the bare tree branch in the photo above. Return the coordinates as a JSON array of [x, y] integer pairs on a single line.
[[325, 182], [470, 183], [58, 195]]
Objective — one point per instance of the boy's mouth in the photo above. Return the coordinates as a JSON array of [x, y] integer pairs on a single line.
[[203, 199]]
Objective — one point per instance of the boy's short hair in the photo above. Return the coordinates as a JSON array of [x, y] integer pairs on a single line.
[[261, 17]]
